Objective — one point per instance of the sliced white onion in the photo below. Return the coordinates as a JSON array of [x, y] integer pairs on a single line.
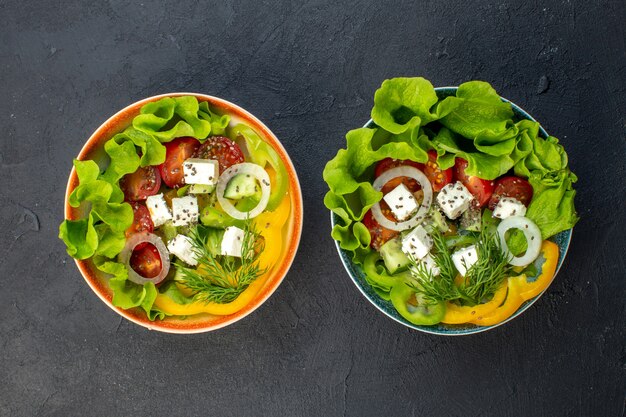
[[532, 234], [137, 239], [417, 175], [244, 168]]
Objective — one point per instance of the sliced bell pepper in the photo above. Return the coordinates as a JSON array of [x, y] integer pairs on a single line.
[[417, 312], [262, 153], [169, 306], [520, 290], [456, 314]]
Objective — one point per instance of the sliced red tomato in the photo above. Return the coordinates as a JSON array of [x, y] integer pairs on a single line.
[[388, 163], [176, 152], [142, 221], [512, 186], [438, 177], [481, 189], [222, 149], [146, 261], [379, 234], [141, 184]]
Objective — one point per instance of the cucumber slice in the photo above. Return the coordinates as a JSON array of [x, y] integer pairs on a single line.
[[471, 220], [241, 186], [212, 217], [201, 189], [395, 259]]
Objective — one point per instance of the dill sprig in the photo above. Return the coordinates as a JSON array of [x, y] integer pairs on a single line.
[[218, 278], [481, 280]]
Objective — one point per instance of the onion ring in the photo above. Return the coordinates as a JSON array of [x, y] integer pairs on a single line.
[[532, 234], [137, 239], [244, 168], [417, 175]]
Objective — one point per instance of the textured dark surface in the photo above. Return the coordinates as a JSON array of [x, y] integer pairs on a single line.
[[309, 70]]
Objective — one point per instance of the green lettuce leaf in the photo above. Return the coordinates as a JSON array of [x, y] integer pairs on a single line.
[[80, 237], [174, 117], [547, 156], [400, 103], [152, 151], [85, 237], [124, 160], [110, 242], [477, 108], [218, 123], [127, 294]]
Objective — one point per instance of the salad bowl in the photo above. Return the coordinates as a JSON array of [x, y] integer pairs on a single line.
[[98, 281], [359, 277]]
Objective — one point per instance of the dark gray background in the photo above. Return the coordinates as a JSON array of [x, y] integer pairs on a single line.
[[309, 70]]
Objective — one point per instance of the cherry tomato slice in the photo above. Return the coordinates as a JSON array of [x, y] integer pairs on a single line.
[[142, 221], [146, 261], [223, 150], [511, 186], [438, 178], [480, 189], [379, 234], [141, 184], [387, 164], [176, 152]]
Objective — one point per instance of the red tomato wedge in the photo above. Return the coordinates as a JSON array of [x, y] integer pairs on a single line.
[[438, 177], [389, 163], [177, 152], [480, 189], [379, 234], [141, 184], [511, 186], [145, 260], [142, 221], [222, 149]]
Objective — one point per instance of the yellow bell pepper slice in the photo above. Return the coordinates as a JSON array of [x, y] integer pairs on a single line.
[[520, 290], [456, 314], [169, 306], [269, 225]]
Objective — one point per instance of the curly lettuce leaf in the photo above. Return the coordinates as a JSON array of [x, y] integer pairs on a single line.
[[218, 123], [84, 237], [477, 108], [173, 117], [80, 237], [552, 206], [400, 103], [124, 160], [127, 294], [152, 151], [491, 154], [547, 156]]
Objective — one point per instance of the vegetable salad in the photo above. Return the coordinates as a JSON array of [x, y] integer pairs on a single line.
[[447, 203], [188, 215]]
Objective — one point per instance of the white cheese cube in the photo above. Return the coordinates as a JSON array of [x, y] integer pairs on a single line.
[[507, 207], [417, 243], [454, 199], [159, 211], [430, 265], [401, 202], [184, 210], [463, 259], [232, 241], [201, 171], [182, 247]]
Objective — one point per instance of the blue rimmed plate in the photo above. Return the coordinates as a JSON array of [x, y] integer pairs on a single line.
[[357, 275]]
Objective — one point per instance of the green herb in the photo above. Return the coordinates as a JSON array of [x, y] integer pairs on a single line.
[[481, 280], [218, 278]]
